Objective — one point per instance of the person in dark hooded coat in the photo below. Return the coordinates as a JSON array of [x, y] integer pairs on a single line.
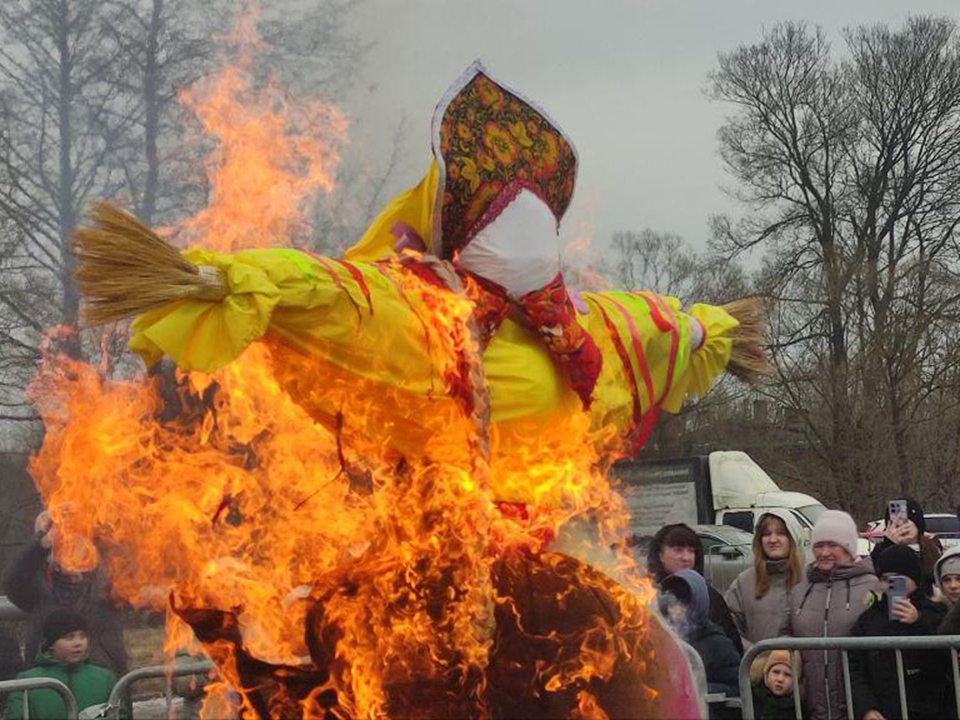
[[677, 547], [911, 533], [685, 602], [873, 673]]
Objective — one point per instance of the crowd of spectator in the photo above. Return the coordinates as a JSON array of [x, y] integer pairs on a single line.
[[907, 586]]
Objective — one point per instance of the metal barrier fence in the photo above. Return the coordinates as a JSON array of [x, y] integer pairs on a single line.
[[115, 703], [11, 686], [897, 645]]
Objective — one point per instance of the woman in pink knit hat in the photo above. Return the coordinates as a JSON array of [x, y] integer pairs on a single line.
[[835, 590]]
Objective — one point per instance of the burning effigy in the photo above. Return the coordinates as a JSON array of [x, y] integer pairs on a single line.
[[351, 495]]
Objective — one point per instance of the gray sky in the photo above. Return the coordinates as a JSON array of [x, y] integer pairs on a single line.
[[624, 78]]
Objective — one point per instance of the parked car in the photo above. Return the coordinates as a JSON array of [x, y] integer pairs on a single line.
[[727, 551], [945, 527]]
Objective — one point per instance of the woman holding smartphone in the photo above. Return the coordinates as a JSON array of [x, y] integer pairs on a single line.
[[905, 525], [757, 597], [903, 609]]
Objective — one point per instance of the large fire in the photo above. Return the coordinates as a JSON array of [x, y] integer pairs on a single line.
[[322, 571]]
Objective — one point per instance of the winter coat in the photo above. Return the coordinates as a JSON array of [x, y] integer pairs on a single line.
[[90, 685], [761, 618], [873, 673], [950, 625], [30, 588], [827, 605], [767, 706], [719, 612], [721, 661]]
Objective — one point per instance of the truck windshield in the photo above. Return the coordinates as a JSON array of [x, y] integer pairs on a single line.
[[812, 512]]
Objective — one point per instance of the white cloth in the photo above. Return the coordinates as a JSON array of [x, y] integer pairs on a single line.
[[519, 249]]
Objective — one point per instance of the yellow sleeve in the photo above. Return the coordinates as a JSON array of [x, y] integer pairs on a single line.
[[206, 335]]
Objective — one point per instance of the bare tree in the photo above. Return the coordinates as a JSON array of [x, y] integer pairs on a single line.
[[850, 170]]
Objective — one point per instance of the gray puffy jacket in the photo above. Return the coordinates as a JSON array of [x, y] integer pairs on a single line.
[[828, 605], [759, 618], [762, 618]]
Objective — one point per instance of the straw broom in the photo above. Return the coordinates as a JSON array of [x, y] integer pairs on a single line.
[[748, 360], [124, 269]]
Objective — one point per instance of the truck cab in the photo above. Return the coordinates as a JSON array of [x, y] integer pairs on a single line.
[[722, 488]]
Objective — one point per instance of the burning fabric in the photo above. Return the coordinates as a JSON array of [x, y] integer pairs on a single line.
[[354, 512]]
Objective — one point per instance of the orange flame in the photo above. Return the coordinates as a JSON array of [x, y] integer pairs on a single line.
[[230, 497], [273, 152]]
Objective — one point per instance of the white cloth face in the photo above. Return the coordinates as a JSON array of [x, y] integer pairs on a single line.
[[519, 249]]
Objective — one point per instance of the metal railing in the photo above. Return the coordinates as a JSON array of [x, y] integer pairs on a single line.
[[116, 701], [845, 645], [70, 702]]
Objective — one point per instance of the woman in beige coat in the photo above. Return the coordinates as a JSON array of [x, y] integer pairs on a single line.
[[827, 603], [757, 598]]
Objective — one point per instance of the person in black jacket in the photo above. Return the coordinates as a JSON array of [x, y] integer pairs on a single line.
[[911, 533], [873, 673], [38, 586], [676, 547], [684, 602]]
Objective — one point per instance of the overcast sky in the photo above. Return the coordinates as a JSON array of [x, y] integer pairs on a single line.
[[624, 78]]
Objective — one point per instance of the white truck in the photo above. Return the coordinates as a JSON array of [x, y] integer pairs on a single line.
[[722, 488]]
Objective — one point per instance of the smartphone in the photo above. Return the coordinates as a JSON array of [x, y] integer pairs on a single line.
[[896, 588], [897, 510]]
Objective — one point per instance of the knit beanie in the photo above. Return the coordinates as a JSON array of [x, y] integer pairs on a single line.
[[781, 657], [764, 663], [900, 560], [837, 527], [948, 564], [60, 622]]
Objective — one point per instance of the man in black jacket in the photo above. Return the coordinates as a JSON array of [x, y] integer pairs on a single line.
[[677, 547], [873, 673], [38, 586]]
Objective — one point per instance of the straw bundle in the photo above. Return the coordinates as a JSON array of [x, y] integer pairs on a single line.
[[124, 269], [748, 360]]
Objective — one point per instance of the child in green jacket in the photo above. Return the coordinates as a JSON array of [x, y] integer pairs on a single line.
[[64, 658]]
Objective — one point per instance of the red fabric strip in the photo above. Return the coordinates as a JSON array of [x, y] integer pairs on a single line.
[[627, 365], [655, 313], [643, 431], [637, 349], [358, 277], [674, 346], [338, 282]]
